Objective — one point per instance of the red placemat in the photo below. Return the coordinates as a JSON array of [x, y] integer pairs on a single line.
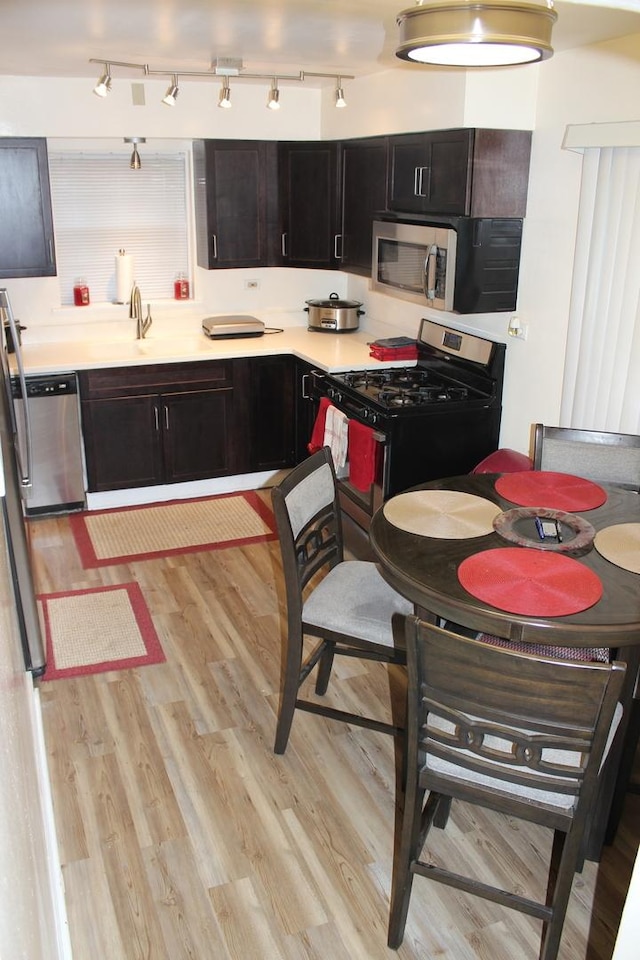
[[530, 582], [544, 488]]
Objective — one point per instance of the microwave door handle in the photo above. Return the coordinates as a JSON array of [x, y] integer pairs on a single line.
[[25, 473], [430, 272]]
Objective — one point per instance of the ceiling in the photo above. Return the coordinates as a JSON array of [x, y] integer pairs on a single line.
[[58, 37]]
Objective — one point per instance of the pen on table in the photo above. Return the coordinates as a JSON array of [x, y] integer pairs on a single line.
[[539, 528]]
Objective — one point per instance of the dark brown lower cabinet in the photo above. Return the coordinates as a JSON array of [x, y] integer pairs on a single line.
[[266, 411], [167, 423]]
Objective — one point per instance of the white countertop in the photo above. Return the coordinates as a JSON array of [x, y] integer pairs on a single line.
[[330, 351]]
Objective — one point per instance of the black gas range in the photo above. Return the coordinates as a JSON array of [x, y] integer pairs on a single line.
[[438, 417]]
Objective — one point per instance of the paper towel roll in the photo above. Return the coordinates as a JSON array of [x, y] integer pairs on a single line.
[[124, 277]]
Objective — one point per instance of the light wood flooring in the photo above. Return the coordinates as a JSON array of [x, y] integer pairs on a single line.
[[182, 835]]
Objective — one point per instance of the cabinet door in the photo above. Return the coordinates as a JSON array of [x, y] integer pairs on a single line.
[[431, 172], [26, 239], [231, 203], [364, 193], [197, 435], [122, 442], [308, 176], [265, 412]]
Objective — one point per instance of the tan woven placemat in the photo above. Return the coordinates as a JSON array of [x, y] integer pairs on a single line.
[[621, 545], [444, 514]]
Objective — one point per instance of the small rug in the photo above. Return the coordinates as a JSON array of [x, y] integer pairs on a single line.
[[106, 537], [103, 628]]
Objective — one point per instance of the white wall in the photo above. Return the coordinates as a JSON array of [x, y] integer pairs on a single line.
[[593, 84]]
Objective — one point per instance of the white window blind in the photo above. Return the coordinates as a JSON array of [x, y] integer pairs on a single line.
[[602, 368], [101, 206]]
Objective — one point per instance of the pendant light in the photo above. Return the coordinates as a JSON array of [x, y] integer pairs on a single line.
[[225, 95], [476, 33], [135, 163], [340, 99]]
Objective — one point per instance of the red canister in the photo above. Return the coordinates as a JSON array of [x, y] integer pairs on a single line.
[[181, 287], [80, 293]]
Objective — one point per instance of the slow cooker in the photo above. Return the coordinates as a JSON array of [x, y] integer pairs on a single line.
[[334, 315]]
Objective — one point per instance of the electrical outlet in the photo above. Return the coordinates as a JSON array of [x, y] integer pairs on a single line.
[[251, 284]]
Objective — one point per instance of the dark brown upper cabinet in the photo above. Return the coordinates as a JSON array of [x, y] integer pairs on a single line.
[[364, 193], [466, 172], [26, 241], [235, 202], [308, 202]]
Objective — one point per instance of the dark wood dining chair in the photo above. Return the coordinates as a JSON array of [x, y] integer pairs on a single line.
[[600, 456], [346, 605], [522, 735]]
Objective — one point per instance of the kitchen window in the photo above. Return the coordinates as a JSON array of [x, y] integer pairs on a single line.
[[101, 206]]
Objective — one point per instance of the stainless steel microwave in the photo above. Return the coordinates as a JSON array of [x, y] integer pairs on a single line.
[[460, 264]]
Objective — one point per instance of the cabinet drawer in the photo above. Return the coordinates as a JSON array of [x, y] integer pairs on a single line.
[[162, 378]]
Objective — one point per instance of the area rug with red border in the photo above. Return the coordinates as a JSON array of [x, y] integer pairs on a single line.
[[99, 629], [105, 537]]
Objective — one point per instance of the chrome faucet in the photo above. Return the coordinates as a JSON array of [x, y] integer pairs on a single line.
[[135, 313]]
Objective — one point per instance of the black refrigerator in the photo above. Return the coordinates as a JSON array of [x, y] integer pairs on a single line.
[[17, 479]]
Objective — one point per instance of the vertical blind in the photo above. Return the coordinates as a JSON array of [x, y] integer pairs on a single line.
[[601, 389], [101, 206]]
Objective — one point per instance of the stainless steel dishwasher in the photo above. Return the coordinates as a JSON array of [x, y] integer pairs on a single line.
[[58, 463]]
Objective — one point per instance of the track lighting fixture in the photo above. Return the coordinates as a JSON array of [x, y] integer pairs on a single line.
[[222, 68], [273, 101], [172, 92], [225, 95], [476, 33], [103, 86], [135, 163]]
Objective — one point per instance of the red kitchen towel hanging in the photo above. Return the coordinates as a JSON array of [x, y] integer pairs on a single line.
[[363, 454], [317, 434]]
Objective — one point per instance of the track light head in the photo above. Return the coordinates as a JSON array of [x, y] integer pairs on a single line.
[[135, 163], [273, 101], [172, 93], [225, 95], [103, 86], [340, 99]]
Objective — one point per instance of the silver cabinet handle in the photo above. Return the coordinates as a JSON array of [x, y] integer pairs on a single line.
[[337, 240], [283, 244], [418, 181], [156, 418], [304, 382], [166, 417], [214, 246]]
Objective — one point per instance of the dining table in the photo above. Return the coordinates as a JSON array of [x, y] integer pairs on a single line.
[[532, 558]]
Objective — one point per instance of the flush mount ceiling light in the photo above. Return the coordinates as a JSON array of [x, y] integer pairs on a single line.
[[222, 67], [273, 101], [476, 33], [103, 86], [172, 93], [135, 163], [225, 95]]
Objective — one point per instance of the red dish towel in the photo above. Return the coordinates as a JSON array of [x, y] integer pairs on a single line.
[[317, 434], [363, 451]]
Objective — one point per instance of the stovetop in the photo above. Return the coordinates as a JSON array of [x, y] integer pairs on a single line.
[[404, 387]]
